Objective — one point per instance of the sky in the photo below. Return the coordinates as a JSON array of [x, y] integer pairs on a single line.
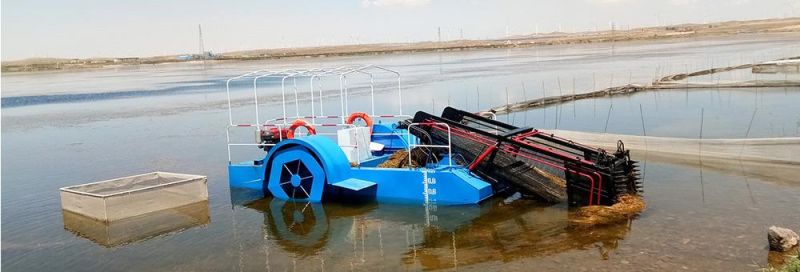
[[103, 28]]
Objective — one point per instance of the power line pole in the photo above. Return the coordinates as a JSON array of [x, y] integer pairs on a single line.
[[200, 42]]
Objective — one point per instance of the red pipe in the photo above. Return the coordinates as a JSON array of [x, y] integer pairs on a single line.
[[599, 186], [562, 155], [482, 156], [591, 191], [526, 134]]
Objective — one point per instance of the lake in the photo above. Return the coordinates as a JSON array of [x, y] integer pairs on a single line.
[[67, 128]]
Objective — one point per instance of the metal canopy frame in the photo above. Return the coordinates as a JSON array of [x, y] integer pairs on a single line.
[[312, 75], [289, 82]]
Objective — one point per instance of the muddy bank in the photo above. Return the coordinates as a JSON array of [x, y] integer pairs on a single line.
[[675, 81], [784, 150], [788, 25]]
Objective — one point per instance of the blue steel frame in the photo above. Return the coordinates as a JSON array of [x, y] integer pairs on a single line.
[[442, 184], [321, 170]]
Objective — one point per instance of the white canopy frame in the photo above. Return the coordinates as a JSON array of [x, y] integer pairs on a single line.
[[289, 82]]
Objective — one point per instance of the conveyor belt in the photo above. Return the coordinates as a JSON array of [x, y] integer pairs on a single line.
[[532, 162]]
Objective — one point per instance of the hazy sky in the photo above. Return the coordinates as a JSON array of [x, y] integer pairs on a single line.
[[85, 28]]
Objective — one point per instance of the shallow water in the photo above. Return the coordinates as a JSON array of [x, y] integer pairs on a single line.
[[78, 129]]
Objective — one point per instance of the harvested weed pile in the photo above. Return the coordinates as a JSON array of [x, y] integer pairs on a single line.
[[419, 156], [589, 216], [555, 179], [397, 160]]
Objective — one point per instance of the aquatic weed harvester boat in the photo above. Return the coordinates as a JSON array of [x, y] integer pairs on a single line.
[[454, 158]]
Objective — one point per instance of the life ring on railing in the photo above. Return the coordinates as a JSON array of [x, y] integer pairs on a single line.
[[300, 123], [360, 115]]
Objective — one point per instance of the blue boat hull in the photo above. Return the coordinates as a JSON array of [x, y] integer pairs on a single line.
[[314, 168]]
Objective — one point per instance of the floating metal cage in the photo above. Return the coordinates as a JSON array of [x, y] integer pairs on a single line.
[[125, 197], [137, 228]]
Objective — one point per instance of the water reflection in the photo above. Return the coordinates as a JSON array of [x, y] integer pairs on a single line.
[[779, 173], [370, 236], [137, 228], [512, 231], [305, 228]]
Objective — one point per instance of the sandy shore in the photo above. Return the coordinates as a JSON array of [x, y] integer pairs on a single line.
[[637, 34]]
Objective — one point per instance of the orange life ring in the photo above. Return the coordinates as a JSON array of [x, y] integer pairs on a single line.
[[360, 115], [300, 123]]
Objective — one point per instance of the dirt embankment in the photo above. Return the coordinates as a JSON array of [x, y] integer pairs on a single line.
[[675, 81], [556, 38]]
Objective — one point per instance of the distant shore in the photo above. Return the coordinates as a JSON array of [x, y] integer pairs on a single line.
[[638, 34]]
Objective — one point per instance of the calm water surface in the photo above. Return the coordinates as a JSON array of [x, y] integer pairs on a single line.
[[69, 128]]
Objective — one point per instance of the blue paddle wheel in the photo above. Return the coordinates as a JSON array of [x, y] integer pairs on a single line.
[[295, 174]]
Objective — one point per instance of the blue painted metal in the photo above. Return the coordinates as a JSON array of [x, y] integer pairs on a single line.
[[374, 161], [391, 137], [246, 175], [355, 184], [317, 166], [295, 174], [447, 186]]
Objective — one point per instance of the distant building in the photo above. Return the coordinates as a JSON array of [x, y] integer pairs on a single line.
[[126, 60], [205, 55]]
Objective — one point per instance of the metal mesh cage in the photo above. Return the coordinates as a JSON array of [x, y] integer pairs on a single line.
[[139, 227], [134, 195]]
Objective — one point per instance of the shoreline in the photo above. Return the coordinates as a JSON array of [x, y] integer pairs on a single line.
[[663, 33], [668, 82]]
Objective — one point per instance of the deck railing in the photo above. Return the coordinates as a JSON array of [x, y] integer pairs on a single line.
[[289, 87], [412, 144]]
